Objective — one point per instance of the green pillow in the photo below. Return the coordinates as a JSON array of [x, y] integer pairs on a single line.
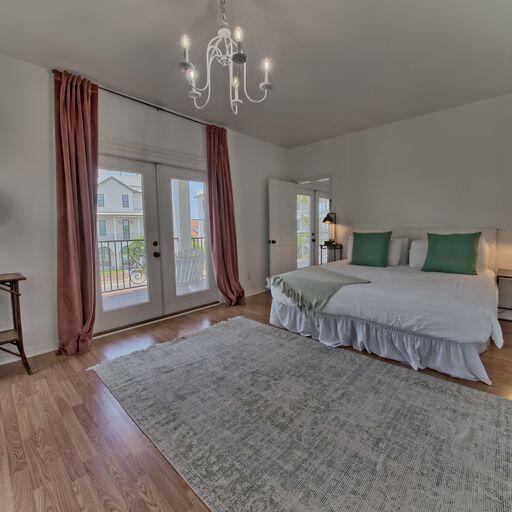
[[455, 253], [371, 249]]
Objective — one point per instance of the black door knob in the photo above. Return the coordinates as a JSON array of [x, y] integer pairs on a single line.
[[155, 243], [156, 254]]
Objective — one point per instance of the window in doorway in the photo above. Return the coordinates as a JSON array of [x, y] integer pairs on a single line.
[[121, 245], [188, 220], [323, 229], [304, 215]]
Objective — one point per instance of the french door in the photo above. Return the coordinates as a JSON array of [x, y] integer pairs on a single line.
[[153, 254], [187, 275]]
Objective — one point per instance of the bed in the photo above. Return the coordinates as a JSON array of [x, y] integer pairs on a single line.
[[426, 319]]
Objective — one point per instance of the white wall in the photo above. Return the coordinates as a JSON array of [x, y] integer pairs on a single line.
[[253, 163], [451, 168], [27, 186], [27, 199]]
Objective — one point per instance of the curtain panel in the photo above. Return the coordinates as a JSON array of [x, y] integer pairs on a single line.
[[222, 216], [76, 149]]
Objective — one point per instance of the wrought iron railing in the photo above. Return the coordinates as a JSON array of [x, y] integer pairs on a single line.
[[123, 263]]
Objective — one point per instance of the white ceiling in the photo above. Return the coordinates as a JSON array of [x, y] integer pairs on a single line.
[[339, 65]]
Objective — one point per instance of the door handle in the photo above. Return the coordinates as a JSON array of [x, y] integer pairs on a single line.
[[272, 242], [156, 254], [155, 243]]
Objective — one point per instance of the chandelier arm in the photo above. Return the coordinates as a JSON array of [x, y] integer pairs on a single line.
[[211, 52], [245, 89], [207, 100], [207, 85], [200, 107]]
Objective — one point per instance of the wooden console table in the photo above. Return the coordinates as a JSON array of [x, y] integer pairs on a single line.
[[10, 283]]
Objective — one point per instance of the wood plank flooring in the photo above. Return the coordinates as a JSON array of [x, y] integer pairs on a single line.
[[67, 445]]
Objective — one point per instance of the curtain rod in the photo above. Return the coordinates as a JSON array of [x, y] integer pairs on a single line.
[[152, 105], [144, 102]]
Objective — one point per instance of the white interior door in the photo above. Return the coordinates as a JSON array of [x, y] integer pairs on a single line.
[[187, 276], [282, 229], [128, 268]]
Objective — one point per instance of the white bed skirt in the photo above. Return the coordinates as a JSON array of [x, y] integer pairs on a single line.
[[461, 360]]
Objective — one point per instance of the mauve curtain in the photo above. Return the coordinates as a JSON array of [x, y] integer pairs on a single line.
[[222, 216], [76, 145]]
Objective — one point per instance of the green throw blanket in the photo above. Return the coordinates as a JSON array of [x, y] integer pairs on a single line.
[[311, 288]]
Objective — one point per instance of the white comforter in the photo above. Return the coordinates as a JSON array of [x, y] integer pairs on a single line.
[[450, 307]]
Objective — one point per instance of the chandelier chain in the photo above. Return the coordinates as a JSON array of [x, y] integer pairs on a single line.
[[223, 16]]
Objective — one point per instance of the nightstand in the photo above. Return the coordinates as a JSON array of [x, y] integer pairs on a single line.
[[504, 313], [332, 247]]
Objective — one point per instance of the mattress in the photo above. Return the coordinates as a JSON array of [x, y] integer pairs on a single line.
[[448, 307]]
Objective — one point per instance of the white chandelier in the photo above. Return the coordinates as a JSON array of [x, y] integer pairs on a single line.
[[229, 53]]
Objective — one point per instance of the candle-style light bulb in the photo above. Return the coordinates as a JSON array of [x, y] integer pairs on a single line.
[[192, 77], [239, 35], [236, 84], [185, 44], [266, 66]]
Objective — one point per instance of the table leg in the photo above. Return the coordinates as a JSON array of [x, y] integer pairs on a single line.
[[16, 317]]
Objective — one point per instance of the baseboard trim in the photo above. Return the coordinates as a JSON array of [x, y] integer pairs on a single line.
[[31, 352], [256, 292]]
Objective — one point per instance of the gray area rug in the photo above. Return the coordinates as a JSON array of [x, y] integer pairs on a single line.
[[259, 419]]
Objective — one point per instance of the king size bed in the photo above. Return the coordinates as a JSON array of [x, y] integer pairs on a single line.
[[437, 320]]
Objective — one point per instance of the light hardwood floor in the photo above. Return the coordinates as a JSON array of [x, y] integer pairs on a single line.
[[67, 445]]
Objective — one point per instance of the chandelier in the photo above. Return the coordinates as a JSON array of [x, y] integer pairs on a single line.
[[228, 52]]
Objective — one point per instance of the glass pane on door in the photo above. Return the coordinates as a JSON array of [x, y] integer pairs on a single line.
[[121, 241], [189, 228], [323, 229], [304, 214]]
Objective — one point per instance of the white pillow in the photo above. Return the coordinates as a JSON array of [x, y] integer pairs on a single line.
[[419, 249], [418, 253], [394, 252], [482, 261]]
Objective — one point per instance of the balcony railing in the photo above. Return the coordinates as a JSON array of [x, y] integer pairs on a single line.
[[196, 242], [123, 263]]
